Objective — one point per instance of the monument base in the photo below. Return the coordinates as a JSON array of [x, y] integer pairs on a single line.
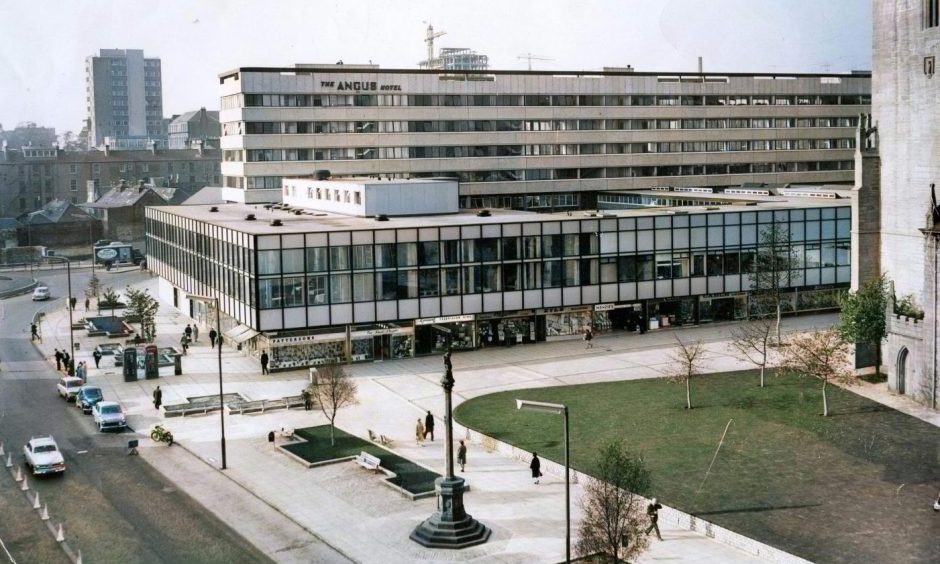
[[451, 527]]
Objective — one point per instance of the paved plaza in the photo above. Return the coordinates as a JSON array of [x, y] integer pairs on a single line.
[[292, 513]]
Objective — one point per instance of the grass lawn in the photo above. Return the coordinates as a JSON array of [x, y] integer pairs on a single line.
[[416, 479], [853, 487]]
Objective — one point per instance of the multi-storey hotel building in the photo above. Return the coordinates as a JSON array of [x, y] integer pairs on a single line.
[[536, 140], [328, 276]]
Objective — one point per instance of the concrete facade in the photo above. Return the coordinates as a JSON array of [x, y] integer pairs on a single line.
[[537, 140], [124, 95], [906, 109]]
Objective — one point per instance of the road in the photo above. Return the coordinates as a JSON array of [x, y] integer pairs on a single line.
[[114, 507]]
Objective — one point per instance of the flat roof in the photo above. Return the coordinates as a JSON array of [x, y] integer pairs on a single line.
[[355, 69], [232, 216]]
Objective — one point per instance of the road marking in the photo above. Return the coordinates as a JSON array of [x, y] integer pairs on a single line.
[[82, 452]]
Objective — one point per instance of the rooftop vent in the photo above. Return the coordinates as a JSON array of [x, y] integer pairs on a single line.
[[268, 206], [250, 217], [483, 213], [276, 223], [381, 217], [298, 212], [322, 174], [214, 209]]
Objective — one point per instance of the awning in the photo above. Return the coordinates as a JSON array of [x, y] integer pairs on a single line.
[[241, 333]]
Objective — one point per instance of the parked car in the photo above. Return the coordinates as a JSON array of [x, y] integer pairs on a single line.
[[68, 387], [87, 397], [41, 293], [109, 415], [43, 456]]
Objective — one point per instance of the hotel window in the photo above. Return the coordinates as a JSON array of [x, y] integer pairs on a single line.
[[73, 185], [73, 169], [931, 13]]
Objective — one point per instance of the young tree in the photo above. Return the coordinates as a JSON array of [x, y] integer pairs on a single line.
[[752, 339], [110, 298], [863, 316], [822, 355], [94, 286], [613, 520], [689, 358], [142, 306], [332, 388], [773, 266]]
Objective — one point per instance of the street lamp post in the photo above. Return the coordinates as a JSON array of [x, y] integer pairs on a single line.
[[218, 327], [556, 409], [68, 304]]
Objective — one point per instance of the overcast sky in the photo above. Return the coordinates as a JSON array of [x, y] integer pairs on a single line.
[[42, 76]]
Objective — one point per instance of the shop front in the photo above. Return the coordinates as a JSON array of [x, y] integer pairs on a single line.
[[723, 307], [434, 335], [508, 328], [671, 311], [381, 342], [617, 317], [566, 322], [296, 351]]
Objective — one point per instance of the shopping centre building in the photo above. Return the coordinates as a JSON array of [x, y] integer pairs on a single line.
[[367, 269], [536, 140]]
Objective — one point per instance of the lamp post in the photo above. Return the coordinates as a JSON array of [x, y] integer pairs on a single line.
[[451, 527], [556, 409], [218, 327], [68, 304]]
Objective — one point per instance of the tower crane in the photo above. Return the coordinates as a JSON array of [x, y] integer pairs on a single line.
[[530, 57], [429, 39]]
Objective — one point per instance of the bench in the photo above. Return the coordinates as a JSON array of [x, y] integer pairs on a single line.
[[368, 461], [385, 441], [372, 436]]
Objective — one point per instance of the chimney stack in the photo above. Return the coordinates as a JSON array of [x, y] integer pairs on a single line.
[[153, 146], [700, 65], [107, 150], [141, 186]]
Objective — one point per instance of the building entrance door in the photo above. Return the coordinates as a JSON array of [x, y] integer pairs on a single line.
[[902, 370]]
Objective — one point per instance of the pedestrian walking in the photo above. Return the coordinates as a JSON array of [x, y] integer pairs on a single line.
[[195, 333], [34, 332], [264, 363], [188, 330], [462, 455], [419, 433], [58, 359], [652, 511], [429, 426], [157, 398], [67, 362], [306, 397], [642, 325], [97, 356], [72, 301], [184, 343], [212, 336], [80, 371], [536, 467], [87, 304], [588, 335]]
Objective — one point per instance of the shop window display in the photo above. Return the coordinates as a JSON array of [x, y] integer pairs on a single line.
[[307, 354]]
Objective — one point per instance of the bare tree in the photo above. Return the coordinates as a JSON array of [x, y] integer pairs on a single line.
[[773, 267], [332, 389], [689, 358], [752, 339], [612, 525], [824, 355]]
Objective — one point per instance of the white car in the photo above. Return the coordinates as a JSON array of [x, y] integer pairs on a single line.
[[109, 415], [41, 293], [68, 387], [43, 456]]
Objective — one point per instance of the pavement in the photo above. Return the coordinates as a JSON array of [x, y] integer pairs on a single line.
[[341, 512]]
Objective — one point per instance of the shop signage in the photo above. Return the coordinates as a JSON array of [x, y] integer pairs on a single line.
[[571, 309], [107, 254], [446, 319], [282, 341], [359, 85], [378, 332], [608, 307], [725, 295], [505, 315]]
